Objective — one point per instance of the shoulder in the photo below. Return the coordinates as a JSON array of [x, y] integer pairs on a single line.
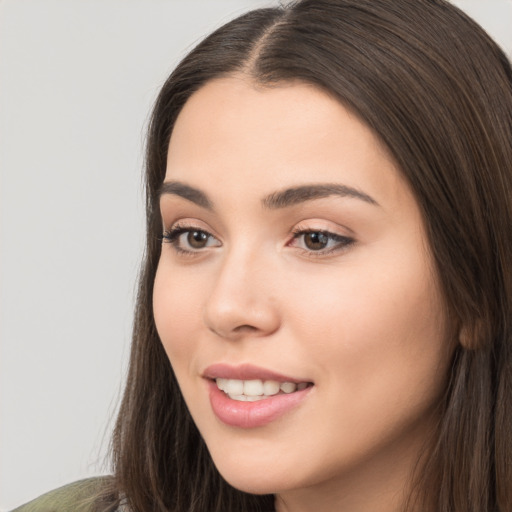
[[77, 497]]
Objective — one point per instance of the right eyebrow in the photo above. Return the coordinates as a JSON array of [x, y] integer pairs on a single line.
[[192, 194]]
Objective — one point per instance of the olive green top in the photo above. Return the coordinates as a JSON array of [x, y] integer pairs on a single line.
[[75, 497]]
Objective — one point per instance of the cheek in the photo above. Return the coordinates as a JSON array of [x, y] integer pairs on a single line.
[[377, 336], [177, 313]]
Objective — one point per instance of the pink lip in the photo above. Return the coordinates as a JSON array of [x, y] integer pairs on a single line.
[[250, 414], [246, 372]]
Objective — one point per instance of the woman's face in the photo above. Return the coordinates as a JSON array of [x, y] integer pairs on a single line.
[[295, 262]]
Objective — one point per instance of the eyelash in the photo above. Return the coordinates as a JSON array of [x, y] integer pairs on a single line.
[[342, 243], [172, 236]]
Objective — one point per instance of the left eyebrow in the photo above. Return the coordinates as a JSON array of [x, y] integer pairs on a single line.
[[303, 193]]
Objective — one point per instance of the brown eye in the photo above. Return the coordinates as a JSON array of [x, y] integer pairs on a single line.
[[197, 239], [320, 242], [316, 240], [190, 240]]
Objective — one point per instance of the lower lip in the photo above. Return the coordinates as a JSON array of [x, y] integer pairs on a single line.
[[236, 413]]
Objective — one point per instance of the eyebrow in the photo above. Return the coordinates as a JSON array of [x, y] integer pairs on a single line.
[[186, 192], [277, 200], [303, 193]]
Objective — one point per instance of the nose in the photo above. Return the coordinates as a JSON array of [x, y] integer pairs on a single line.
[[243, 300]]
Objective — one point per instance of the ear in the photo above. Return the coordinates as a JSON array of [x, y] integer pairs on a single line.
[[466, 337], [472, 335]]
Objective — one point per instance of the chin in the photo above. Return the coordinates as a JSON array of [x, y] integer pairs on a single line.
[[255, 483], [254, 476]]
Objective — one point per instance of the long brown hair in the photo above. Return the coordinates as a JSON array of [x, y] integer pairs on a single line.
[[438, 92]]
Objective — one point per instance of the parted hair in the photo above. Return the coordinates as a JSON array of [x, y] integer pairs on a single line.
[[437, 91]]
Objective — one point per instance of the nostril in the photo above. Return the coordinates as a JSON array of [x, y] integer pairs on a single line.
[[245, 328]]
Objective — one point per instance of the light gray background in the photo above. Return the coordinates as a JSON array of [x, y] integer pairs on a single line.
[[77, 79]]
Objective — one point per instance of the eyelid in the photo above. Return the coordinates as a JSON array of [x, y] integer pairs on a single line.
[[189, 223], [343, 241], [180, 227]]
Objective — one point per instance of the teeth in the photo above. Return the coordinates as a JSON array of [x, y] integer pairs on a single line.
[[221, 384], [288, 387], [252, 390], [234, 387], [253, 387], [270, 387], [240, 398], [245, 398]]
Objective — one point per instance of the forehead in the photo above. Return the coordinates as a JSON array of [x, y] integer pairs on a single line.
[[232, 131]]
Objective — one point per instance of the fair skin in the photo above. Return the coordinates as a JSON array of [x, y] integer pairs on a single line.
[[335, 290]]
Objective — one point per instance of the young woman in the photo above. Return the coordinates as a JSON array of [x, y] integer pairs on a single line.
[[323, 320]]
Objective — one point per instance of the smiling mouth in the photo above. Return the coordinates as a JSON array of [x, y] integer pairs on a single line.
[[248, 396], [256, 389]]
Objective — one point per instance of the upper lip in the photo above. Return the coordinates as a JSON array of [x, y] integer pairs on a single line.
[[246, 372]]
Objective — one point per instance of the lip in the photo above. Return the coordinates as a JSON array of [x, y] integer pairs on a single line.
[[246, 372], [250, 414]]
